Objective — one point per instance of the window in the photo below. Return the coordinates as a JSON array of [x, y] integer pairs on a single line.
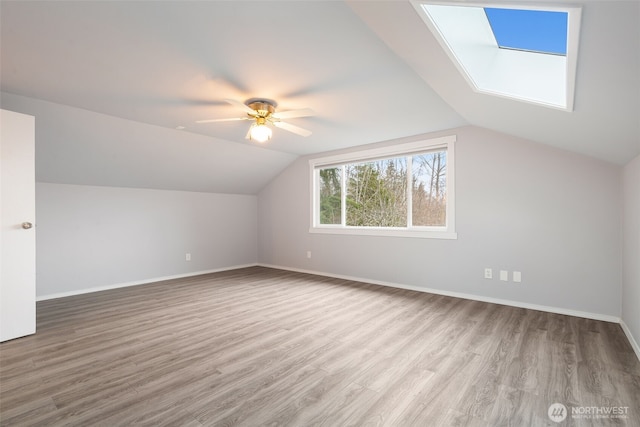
[[402, 190], [538, 31], [526, 52]]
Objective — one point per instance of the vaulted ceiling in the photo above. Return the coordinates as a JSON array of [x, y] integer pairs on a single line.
[[371, 70]]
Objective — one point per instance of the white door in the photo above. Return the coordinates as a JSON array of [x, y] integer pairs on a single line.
[[17, 213]]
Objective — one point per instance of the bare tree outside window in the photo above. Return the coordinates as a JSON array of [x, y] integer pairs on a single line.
[[429, 189], [377, 196], [377, 193]]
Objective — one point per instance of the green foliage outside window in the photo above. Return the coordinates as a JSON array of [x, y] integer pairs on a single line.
[[376, 192], [330, 196]]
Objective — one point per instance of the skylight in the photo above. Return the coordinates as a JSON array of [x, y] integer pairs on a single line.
[[539, 31], [524, 53]]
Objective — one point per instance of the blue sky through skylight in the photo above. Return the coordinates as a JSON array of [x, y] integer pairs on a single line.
[[533, 30]]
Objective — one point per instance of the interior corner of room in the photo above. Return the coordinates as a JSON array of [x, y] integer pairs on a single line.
[[117, 176]]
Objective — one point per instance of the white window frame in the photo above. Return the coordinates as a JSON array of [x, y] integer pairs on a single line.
[[399, 150]]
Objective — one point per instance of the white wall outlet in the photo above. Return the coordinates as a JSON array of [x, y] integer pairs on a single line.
[[187, 257], [488, 273], [309, 254], [517, 276], [504, 275]]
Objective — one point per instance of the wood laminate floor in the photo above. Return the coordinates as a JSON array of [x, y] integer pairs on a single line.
[[258, 346]]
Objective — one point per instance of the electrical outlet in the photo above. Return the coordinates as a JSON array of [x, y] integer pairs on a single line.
[[187, 257], [488, 273], [517, 277], [309, 254], [504, 275]]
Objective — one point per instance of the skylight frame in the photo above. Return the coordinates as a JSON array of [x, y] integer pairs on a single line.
[[564, 79]]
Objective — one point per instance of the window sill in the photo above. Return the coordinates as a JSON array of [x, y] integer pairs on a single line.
[[355, 231]]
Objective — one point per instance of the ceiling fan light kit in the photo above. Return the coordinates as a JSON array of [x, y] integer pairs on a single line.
[[260, 132], [263, 112]]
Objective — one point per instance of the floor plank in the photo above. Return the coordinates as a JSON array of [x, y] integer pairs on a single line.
[[260, 346]]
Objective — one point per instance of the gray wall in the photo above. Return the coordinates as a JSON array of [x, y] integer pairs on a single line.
[[91, 237], [551, 214], [631, 265]]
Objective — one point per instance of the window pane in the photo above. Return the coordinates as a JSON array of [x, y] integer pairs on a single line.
[[330, 196], [377, 193], [429, 191], [534, 30]]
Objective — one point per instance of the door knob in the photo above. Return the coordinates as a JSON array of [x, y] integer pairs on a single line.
[[27, 225]]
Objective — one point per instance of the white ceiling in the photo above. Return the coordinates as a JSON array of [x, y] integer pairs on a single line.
[[370, 69], [605, 122]]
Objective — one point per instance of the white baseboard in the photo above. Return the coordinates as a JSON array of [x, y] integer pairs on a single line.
[[557, 310], [630, 337], [138, 282]]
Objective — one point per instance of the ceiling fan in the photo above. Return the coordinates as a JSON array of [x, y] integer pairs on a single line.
[[263, 113]]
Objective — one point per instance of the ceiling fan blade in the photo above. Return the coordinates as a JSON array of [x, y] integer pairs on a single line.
[[242, 106], [291, 128], [233, 119], [303, 112]]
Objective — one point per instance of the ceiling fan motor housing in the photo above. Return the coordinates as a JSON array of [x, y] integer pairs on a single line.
[[263, 113], [263, 108]]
